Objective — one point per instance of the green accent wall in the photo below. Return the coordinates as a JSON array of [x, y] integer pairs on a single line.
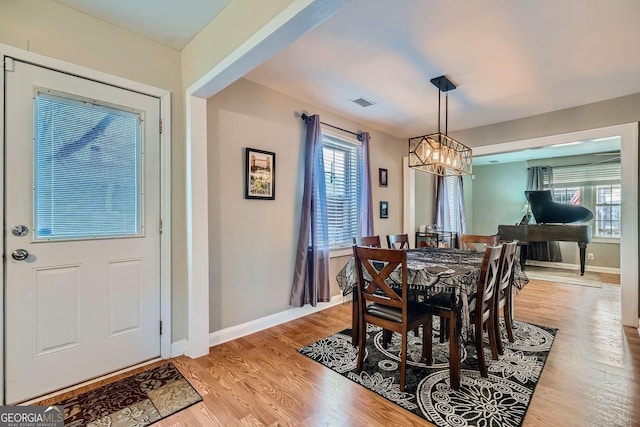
[[498, 196]]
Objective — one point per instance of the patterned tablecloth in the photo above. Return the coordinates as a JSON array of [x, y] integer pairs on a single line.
[[434, 270]]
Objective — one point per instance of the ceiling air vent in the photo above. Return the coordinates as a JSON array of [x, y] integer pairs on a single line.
[[362, 102]]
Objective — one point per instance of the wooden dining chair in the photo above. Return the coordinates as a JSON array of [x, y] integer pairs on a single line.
[[398, 241], [482, 305], [469, 241], [371, 241], [384, 306], [504, 293]]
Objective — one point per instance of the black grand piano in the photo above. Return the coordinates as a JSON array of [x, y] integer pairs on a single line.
[[554, 222]]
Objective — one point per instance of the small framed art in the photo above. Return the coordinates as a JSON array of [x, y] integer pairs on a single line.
[[384, 209], [382, 177], [260, 174]]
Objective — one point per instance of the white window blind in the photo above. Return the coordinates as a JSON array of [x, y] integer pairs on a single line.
[[585, 175], [342, 164], [596, 187], [87, 170], [452, 197]]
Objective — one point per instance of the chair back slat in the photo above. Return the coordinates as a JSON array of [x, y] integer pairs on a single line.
[[371, 241], [398, 241], [468, 241], [506, 265], [488, 277]]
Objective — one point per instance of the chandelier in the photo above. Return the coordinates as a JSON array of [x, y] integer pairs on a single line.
[[438, 153]]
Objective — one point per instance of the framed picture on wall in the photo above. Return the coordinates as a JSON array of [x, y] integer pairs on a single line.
[[384, 209], [382, 177], [260, 174]]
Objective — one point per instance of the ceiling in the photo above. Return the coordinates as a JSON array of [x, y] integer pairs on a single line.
[[169, 22], [609, 148], [509, 59]]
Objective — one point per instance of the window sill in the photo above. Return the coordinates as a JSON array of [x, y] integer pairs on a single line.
[[340, 252], [610, 240]]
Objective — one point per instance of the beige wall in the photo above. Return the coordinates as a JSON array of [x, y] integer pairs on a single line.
[[592, 116], [425, 190], [59, 32], [253, 242]]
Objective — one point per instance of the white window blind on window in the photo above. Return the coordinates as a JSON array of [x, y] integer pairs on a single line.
[[342, 164], [585, 175], [87, 170], [452, 197]]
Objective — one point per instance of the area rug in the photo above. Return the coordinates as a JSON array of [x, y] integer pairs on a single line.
[[502, 399], [570, 277], [135, 401]]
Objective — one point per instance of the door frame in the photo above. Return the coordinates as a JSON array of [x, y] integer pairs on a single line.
[[165, 178], [629, 273]]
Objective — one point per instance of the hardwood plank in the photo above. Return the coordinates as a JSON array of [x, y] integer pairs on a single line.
[[591, 376]]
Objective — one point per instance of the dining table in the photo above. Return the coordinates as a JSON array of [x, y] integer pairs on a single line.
[[436, 270], [431, 271]]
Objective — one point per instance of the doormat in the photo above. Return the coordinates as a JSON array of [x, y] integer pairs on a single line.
[[138, 400]]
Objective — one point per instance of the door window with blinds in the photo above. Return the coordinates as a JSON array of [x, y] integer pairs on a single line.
[[342, 167], [596, 187], [87, 170]]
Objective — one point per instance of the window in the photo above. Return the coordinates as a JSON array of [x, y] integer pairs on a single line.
[[87, 170], [607, 213], [596, 187], [342, 166], [569, 195], [452, 202]]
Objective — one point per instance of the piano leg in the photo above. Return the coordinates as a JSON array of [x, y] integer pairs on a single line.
[[523, 255], [583, 250]]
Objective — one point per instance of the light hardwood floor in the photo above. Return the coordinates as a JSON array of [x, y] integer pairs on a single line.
[[592, 376]]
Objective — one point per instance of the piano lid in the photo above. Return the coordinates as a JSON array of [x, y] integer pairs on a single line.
[[546, 211]]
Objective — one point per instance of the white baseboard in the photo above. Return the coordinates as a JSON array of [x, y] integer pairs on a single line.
[[179, 348], [228, 334], [565, 266]]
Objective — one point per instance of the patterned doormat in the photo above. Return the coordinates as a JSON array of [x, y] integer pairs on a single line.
[[138, 400], [501, 399]]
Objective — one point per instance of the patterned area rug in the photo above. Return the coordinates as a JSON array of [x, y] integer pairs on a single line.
[[501, 399], [135, 401]]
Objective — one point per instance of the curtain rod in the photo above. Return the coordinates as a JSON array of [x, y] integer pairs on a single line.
[[305, 117]]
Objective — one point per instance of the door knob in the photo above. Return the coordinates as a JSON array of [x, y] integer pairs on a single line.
[[19, 230], [20, 254]]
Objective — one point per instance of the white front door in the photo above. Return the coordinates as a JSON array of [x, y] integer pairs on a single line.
[[82, 246]]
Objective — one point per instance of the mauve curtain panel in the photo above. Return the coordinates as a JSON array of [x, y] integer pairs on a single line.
[[366, 215], [311, 274]]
